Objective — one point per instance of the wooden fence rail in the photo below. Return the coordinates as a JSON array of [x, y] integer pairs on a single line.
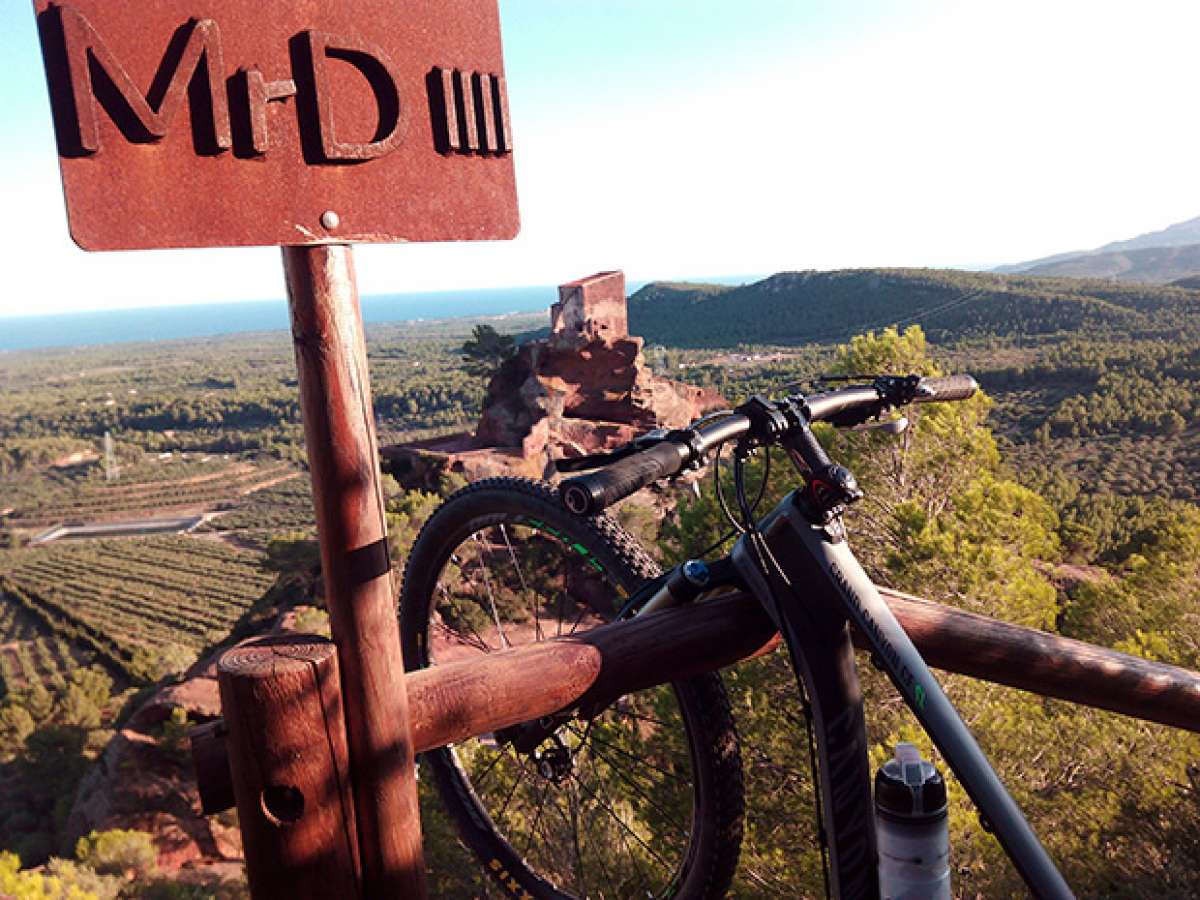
[[451, 702]]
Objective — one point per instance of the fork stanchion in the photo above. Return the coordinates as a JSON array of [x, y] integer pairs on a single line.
[[339, 437]]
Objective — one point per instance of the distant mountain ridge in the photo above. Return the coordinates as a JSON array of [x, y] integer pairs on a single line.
[[1152, 265], [1156, 257], [826, 307]]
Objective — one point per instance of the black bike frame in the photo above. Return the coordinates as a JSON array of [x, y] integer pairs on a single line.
[[823, 589]]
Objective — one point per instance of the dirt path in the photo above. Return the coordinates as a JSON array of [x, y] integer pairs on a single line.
[[270, 482]]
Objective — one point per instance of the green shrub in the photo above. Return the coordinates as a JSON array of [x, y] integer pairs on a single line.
[[26, 885], [83, 878], [311, 620], [118, 852]]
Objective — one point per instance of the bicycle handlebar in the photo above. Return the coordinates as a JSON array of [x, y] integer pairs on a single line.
[[589, 494]]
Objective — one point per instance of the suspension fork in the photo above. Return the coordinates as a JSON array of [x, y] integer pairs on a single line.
[[816, 630], [827, 584]]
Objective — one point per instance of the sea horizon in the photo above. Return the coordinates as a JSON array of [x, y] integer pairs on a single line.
[[208, 320]]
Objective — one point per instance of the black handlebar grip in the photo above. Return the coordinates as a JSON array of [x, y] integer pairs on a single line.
[[952, 387], [588, 494]]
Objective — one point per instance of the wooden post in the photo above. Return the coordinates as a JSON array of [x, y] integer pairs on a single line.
[[210, 761], [287, 756], [339, 432]]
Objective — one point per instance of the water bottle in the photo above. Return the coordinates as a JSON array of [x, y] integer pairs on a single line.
[[912, 827]]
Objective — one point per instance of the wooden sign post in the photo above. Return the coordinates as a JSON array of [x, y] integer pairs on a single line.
[[343, 460], [311, 127]]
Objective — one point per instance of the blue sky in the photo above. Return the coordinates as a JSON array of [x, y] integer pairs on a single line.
[[683, 139]]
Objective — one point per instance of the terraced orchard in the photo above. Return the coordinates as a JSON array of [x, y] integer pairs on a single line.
[[29, 655], [38, 661], [283, 507], [149, 488], [146, 604]]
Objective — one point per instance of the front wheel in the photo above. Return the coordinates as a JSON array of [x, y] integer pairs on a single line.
[[643, 799]]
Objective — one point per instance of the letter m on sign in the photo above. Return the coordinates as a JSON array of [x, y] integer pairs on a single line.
[[98, 78]]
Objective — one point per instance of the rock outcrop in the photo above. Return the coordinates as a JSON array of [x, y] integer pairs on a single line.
[[583, 389], [144, 781]]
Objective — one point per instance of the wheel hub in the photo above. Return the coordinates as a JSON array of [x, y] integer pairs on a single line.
[[554, 763]]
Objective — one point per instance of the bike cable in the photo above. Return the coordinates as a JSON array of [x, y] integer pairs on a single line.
[[737, 527], [762, 490]]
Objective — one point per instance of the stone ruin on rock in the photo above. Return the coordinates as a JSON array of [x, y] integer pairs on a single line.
[[583, 389]]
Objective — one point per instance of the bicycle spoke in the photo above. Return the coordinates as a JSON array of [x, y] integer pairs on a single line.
[[633, 834], [537, 624], [551, 840], [562, 594], [478, 642], [479, 779], [565, 820], [639, 760], [642, 717], [579, 618], [487, 648], [536, 818], [616, 770], [487, 583], [597, 806], [626, 774], [575, 841], [507, 800], [602, 852], [572, 824]]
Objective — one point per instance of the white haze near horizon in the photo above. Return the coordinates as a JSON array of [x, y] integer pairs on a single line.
[[689, 139]]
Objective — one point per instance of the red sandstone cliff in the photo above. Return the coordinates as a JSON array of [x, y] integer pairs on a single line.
[[583, 389]]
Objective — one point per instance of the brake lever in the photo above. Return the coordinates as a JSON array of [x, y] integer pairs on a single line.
[[893, 427]]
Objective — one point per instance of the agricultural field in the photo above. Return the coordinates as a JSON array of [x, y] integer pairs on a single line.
[[37, 660], [197, 427], [146, 605], [283, 507], [152, 487], [27, 656]]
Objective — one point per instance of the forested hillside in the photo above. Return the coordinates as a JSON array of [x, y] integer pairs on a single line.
[[1097, 380], [236, 394], [823, 307]]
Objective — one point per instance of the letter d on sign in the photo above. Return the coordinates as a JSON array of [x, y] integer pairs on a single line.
[[380, 74]]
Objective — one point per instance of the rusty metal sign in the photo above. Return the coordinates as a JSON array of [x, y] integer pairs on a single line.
[[211, 123]]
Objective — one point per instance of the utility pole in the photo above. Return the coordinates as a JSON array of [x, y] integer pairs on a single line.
[[111, 469]]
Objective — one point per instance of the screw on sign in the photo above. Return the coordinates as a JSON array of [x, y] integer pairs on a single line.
[[393, 116], [309, 126]]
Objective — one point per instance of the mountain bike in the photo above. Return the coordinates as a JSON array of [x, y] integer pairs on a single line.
[[644, 798]]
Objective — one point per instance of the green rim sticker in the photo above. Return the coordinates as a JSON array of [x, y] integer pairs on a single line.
[[577, 547]]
